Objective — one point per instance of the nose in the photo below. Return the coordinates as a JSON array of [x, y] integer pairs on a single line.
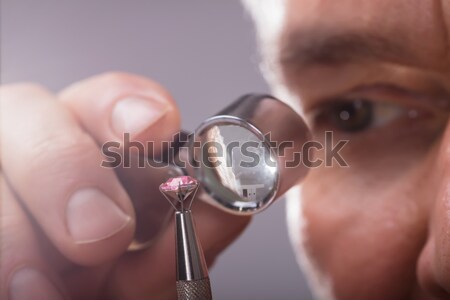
[[433, 269]]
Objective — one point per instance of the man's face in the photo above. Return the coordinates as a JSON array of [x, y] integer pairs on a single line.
[[376, 73]]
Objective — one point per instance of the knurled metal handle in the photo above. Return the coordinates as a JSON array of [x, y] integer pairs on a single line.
[[194, 289]]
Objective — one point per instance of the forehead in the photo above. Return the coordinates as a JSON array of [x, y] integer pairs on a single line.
[[419, 26]]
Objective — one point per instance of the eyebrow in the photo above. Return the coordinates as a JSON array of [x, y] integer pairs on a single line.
[[308, 48]]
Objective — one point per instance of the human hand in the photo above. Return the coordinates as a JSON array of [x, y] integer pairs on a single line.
[[66, 222]]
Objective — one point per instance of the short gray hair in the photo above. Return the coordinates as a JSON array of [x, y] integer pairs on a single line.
[[269, 17]]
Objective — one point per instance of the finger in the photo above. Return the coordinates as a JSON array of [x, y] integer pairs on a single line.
[[54, 167], [112, 104], [216, 230], [24, 274]]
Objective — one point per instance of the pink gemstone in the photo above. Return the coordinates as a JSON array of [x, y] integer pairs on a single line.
[[173, 184]]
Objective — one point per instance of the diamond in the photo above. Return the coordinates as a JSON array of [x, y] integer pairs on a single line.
[[177, 190], [174, 184]]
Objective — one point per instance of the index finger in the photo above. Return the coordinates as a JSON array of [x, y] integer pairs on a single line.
[[113, 104]]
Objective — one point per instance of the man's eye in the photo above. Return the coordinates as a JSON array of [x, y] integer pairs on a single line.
[[355, 115]]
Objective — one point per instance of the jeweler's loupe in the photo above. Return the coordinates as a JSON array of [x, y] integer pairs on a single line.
[[244, 158], [238, 153]]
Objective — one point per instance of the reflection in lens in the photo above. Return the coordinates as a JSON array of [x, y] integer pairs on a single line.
[[223, 161], [238, 170]]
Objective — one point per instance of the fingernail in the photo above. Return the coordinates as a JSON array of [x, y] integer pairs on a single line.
[[28, 283], [133, 115], [92, 216]]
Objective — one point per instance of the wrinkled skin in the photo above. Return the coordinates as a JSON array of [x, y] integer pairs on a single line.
[[379, 229]]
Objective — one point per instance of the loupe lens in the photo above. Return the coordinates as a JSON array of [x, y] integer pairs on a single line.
[[235, 164]]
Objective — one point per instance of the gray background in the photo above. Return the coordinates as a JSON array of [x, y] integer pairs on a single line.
[[202, 51]]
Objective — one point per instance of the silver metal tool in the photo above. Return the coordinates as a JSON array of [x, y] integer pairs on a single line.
[[192, 273]]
